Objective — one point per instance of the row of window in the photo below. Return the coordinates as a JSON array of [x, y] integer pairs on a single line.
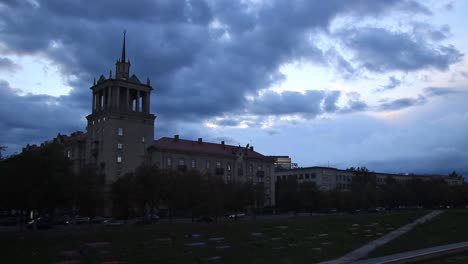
[[99, 120], [305, 176], [343, 178], [218, 164]]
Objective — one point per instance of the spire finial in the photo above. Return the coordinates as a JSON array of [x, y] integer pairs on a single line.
[[123, 47]]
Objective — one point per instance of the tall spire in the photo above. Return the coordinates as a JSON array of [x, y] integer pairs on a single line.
[[123, 47], [122, 66]]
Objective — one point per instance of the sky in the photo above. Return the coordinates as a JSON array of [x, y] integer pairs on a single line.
[[340, 83]]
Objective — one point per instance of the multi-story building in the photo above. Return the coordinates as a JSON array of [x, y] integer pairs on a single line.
[[120, 137], [327, 178], [232, 163]]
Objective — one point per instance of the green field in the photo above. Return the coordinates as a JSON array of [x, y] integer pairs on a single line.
[[450, 227], [292, 240]]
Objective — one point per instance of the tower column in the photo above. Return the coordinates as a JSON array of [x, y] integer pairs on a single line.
[[111, 97], [128, 100], [148, 95], [137, 108], [93, 106], [118, 97], [99, 100]]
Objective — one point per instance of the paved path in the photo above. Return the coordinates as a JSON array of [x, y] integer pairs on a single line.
[[420, 254], [366, 249]]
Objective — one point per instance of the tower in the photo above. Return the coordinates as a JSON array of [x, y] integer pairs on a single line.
[[120, 126]]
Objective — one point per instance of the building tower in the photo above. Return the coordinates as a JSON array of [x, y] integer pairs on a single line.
[[120, 126]]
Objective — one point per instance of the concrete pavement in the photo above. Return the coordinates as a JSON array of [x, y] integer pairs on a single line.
[[366, 249], [418, 255]]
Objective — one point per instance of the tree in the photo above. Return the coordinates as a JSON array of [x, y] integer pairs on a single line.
[[87, 190]]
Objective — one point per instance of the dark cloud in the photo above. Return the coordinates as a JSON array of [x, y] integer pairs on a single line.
[[354, 104], [310, 103], [428, 31], [401, 103], [393, 83], [35, 118], [440, 91], [432, 163], [381, 50], [203, 57], [7, 64], [343, 66], [330, 101]]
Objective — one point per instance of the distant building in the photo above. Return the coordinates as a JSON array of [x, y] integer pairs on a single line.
[[327, 178], [281, 162]]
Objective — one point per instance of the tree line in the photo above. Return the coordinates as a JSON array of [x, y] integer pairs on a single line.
[[365, 193], [42, 180]]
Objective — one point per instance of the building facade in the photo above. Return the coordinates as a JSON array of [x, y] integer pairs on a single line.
[[326, 178], [232, 163]]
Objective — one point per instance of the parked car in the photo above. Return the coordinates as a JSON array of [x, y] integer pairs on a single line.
[[205, 219], [238, 215], [113, 222], [99, 219], [42, 222], [9, 221], [79, 220], [62, 220]]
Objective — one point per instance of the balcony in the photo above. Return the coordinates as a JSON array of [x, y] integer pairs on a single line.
[[219, 171], [261, 174]]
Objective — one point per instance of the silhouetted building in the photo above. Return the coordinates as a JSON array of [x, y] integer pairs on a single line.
[[120, 137]]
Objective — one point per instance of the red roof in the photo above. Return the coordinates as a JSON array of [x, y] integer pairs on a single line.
[[192, 146]]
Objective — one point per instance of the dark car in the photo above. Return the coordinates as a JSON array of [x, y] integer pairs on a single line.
[[9, 221], [42, 222], [205, 219]]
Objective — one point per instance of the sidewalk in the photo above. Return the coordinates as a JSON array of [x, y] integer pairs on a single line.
[[419, 255], [366, 249]]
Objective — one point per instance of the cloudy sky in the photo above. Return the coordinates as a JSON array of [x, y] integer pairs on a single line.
[[382, 84]]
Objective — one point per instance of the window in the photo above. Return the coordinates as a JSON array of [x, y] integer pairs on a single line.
[[99, 120], [120, 131], [260, 167], [218, 164], [119, 159], [181, 162], [229, 166], [119, 145], [142, 139], [301, 176], [69, 154], [193, 164], [208, 164], [103, 119], [169, 162], [307, 175], [251, 168]]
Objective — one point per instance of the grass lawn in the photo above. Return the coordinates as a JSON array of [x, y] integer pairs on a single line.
[[450, 227], [292, 240]]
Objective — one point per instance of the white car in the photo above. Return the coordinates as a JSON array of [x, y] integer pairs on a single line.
[[238, 215]]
